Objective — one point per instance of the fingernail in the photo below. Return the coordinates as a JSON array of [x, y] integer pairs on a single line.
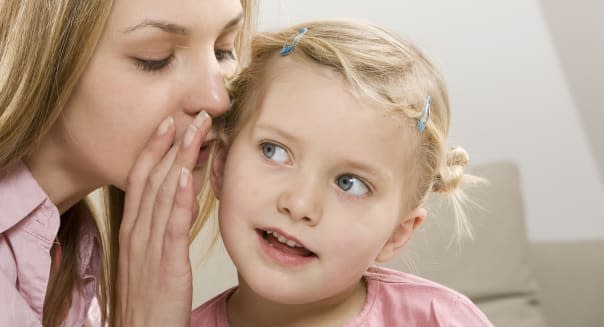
[[201, 118], [184, 177], [190, 135], [163, 127]]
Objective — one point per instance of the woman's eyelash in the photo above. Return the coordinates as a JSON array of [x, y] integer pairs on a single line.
[[224, 54], [153, 65]]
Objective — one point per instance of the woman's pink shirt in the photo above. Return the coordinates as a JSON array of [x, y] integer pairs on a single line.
[[29, 223]]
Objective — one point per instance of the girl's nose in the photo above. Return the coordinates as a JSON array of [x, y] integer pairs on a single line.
[[302, 201]]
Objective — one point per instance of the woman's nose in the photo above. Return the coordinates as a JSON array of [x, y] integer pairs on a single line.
[[301, 201], [207, 90]]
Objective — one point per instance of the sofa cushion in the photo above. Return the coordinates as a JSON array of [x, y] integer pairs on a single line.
[[494, 269], [571, 280]]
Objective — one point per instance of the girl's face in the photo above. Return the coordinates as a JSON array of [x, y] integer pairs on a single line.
[[154, 59], [313, 188]]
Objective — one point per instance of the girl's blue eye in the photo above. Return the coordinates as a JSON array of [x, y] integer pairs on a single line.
[[352, 185], [274, 152]]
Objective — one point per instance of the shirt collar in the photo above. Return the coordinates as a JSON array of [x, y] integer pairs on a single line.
[[20, 194]]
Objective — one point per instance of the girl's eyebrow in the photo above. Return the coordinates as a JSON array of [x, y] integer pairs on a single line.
[[179, 29], [276, 130]]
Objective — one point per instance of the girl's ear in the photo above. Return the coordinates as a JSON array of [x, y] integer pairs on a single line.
[[401, 234], [217, 170]]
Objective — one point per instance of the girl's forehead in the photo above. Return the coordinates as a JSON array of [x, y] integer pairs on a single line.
[[288, 67], [317, 106]]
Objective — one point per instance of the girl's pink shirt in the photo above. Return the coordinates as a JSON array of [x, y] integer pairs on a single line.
[[29, 223], [393, 298]]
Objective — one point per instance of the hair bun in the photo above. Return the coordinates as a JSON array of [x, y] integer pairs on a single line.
[[452, 173], [457, 156]]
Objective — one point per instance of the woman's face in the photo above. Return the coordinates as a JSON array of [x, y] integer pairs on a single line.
[[155, 58]]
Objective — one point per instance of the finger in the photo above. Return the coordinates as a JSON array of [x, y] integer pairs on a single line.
[[176, 246], [155, 183], [186, 158], [140, 255], [153, 151], [151, 154]]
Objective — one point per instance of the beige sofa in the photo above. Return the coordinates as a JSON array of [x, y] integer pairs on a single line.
[[515, 282]]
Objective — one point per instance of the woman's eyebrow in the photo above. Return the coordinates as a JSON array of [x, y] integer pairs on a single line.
[[234, 22], [178, 29], [162, 25]]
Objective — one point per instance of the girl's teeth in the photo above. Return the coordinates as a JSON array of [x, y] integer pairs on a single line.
[[283, 240]]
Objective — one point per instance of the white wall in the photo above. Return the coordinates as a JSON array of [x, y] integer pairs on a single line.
[[509, 95], [577, 29]]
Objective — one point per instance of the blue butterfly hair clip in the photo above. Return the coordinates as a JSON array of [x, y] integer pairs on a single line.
[[290, 45], [422, 121]]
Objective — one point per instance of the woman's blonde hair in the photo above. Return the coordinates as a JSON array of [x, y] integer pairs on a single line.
[[44, 48], [386, 72]]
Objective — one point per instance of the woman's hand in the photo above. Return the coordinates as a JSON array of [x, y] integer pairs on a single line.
[[154, 271]]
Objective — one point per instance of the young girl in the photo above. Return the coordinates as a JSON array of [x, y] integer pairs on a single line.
[[336, 137], [84, 88]]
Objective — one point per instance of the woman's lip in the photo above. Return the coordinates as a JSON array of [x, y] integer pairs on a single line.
[[208, 141], [287, 236], [201, 160], [204, 152]]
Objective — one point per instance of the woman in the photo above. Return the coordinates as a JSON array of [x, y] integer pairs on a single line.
[[84, 86]]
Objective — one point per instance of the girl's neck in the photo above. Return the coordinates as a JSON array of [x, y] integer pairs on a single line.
[[246, 308]]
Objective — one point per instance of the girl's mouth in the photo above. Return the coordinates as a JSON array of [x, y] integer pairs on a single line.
[[284, 245]]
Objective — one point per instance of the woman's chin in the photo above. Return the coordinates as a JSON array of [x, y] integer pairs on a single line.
[[195, 210], [198, 178]]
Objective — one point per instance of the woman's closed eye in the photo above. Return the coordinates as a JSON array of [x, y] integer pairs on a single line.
[[275, 152], [352, 185], [151, 65], [224, 54]]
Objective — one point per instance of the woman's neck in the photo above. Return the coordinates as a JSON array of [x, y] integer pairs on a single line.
[[63, 184], [246, 308]]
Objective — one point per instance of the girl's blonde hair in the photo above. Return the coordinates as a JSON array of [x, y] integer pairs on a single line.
[[386, 72], [44, 48]]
